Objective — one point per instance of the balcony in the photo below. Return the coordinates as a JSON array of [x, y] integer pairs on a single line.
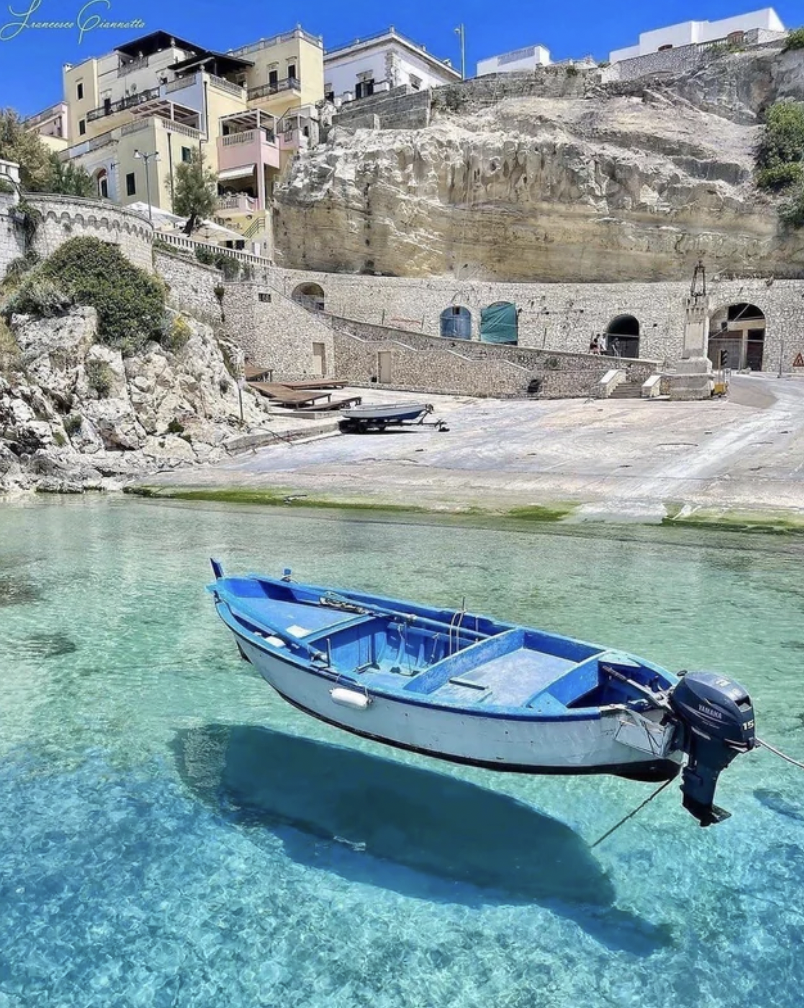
[[239, 203], [112, 108], [246, 149], [265, 90], [132, 65]]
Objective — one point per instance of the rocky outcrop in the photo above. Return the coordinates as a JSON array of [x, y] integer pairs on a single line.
[[571, 181], [75, 414]]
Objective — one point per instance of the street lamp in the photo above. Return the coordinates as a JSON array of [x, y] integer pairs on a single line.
[[460, 31], [147, 158]]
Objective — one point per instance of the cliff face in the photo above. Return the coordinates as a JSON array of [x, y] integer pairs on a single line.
[[592, 182], [75, 414]]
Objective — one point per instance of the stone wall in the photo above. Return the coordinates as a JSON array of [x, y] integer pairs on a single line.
[[65, 217], [558, 316], [191, 286], [399, 108], [275, 332], [11, 243], [440, 364], [682, 59]]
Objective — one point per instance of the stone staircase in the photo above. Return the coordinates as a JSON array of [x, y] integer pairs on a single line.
[[627, 390]]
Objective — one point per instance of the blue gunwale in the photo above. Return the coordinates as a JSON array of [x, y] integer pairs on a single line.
[[229, 602]]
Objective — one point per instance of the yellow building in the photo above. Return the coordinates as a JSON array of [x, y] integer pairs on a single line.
[[52, 126], [133, 115]]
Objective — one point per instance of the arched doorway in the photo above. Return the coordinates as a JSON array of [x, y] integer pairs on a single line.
[[456, 322], [102, 181], [622, 336], [310, 296], [499, 323], [737, 337]]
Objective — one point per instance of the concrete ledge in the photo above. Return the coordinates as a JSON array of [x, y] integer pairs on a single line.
[[259, 439]]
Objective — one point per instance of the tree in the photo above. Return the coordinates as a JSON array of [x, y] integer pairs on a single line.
[[69, 179], [26, 150], [196, 193]]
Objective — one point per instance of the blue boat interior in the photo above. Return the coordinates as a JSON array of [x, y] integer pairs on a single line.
[[437, 656]]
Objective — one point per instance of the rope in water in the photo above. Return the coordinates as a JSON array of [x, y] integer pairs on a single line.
[[780, 754], [631, 814]]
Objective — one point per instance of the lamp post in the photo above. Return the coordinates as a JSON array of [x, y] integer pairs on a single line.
[[461, 33], [147, 158]]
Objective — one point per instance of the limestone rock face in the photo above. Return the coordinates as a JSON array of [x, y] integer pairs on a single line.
[[78, 415], [604, 182]]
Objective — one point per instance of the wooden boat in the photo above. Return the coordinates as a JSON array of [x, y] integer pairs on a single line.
[[476, 690]]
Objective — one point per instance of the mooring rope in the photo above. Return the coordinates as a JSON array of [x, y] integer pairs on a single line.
[[780, 754], [631, 814]]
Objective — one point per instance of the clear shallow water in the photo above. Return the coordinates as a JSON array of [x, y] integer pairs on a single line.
[[163, 841]]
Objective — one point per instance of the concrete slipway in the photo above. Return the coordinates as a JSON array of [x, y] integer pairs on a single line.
[[740, 459]]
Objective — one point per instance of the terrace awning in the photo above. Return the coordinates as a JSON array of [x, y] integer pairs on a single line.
[[244, 171]]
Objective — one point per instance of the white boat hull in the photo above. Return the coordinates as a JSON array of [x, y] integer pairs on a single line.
[[616, 742]]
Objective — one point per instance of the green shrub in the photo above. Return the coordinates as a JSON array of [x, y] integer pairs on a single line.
[[60, 439], [572, 71], [791, 213], [10, 356], [73, 423], [219, 291], [18, 267], [205, 255], [175, 427], [782, 142], [780, 177], [177, 335], [39, 296], [224, 385], [228, 265], [794, 40], [6, 186], [130, 303], [27, 219], [100, 378]]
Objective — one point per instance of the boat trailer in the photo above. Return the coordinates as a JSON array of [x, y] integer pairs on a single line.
[[362, 419]]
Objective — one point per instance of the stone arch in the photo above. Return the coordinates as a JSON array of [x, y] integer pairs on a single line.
[[737, 336], [310, 296], [622, 336], [456, 322], [499, 323]]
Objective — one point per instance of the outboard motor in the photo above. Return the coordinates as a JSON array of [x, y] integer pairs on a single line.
[[717, 719]]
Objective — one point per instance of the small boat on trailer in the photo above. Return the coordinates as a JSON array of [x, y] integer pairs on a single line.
[[359, 419], [476, 690]]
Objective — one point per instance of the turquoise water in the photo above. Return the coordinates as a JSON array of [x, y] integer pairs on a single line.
[[173, 834]]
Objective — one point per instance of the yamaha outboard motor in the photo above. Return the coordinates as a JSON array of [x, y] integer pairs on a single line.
[[717, 719]]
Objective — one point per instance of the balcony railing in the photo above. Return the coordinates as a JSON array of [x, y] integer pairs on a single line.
[[286, 84], [242, 202], [179, 83], [277, 40], [40, 117], [124, 103], [249, 136], [224, 85]]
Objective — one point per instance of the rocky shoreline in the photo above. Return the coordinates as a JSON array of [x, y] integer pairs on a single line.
[[77, 415]]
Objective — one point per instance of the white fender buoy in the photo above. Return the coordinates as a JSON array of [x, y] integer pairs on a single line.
[[349, 698]]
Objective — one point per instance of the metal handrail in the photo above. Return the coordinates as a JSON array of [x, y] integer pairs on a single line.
[[122, 104], [286, 84]]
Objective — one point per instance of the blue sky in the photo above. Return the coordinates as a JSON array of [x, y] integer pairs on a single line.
[[31, 62]]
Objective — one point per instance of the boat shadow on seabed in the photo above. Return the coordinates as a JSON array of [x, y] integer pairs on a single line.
[[417, 832]]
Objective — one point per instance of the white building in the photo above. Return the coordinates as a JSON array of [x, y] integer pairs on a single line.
[[520, 59], [379, 63], [697, 32]]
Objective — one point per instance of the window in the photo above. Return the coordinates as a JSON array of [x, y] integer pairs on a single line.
[[131, 184], [415, 82], [664, 48], [82, 126], [103, 187], [329, 96], [79, 91], [262, 296], [291, 69], [273, 78], [186, 154], [364, 88]]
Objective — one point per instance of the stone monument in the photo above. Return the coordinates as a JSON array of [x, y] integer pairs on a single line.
[[692, 378]]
